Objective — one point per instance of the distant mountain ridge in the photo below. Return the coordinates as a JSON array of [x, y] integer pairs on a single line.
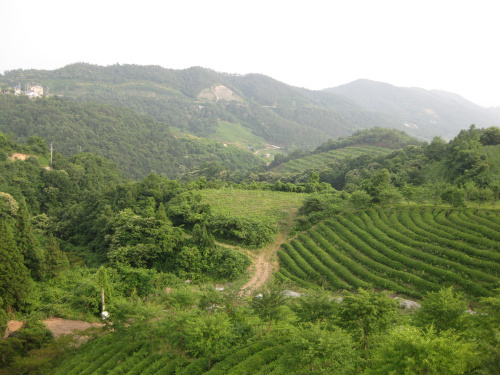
[[420, 109], [278, 113]]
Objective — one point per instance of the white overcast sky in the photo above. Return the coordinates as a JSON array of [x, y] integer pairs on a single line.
[[452, 45]]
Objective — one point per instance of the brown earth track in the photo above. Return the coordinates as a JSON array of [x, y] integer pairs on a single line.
[[266, 262]]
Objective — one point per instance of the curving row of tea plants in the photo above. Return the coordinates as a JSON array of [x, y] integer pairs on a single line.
[[109, 355], [316, 160], [410, 251]]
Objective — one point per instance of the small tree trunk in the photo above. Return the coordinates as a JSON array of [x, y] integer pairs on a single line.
[[365, 338], [102, 299]]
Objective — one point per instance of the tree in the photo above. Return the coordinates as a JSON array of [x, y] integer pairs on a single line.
[[380, 180], [55, 260], [436, 150], [267, 304], [366, 313], [317, 350], [490, 136], [411, 350], [360, 199], [486, 332], [484, 194], [8, 206], [495, 188], [408, 191], [435, 190], [27, 243], [315, 307], [470, 189], [443, 309], [454, 196], [141, 241], [15, 283], [208, 335], [389, 196]]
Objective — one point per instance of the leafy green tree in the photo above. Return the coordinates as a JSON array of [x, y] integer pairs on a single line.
[[486, 332], [132, 314], [360, 199], [435, 190], [315, 307], [267, 304], [38, 145], [444, 309], [161, 214], [4, 319], [484, 194], [409, 192], [389, 196], [490, 136], [495, 188], [8, 206], [470, 190], [27, 243], [208, 335], [436, 150], [202, 238], [454, 196], [314, 349], [411, 350], [380, 180], [365, 313], [55, 260], [15, 282], [141, 241]]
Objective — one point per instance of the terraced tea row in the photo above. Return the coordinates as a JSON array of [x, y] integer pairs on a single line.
[[111, 356], [316, 160], [410, 251]]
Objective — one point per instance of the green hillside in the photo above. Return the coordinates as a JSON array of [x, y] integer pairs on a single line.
[[137, 144], [409, 251], [282, 115], [316, 161]]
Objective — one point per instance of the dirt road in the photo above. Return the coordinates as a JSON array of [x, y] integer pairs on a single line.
[[266, 262]]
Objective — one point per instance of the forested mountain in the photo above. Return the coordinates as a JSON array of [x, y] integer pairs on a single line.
[[434, 112], [194, 100], [138, 144]]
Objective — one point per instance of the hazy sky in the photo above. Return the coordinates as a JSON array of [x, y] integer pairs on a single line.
[[453, 45]]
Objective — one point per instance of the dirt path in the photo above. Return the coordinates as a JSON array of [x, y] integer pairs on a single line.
[[58, 326], [266, 262]]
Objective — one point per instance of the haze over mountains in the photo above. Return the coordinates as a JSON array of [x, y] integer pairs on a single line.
[[433, 112], [197, 100]]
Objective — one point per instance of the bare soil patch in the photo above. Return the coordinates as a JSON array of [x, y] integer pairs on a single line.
[[18, 156], [58, 326]]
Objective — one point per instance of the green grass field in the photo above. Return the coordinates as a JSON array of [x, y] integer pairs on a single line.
[[237, 134], [258, 204]]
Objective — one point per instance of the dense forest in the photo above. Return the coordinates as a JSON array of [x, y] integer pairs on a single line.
[[137, 144]]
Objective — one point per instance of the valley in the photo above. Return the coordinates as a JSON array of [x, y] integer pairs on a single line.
[[185, 211]]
